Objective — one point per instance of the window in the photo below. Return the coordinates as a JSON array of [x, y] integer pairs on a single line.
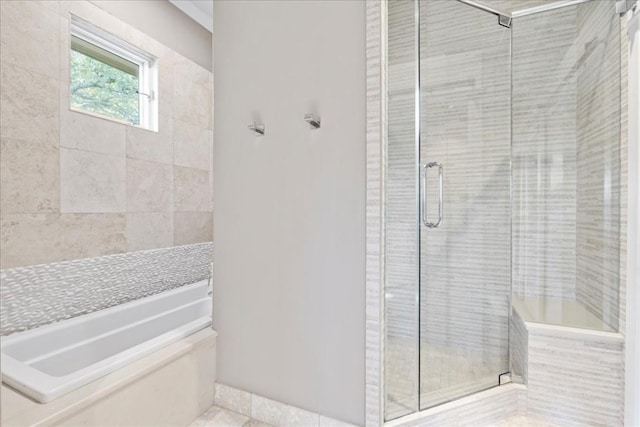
[[111, 78]]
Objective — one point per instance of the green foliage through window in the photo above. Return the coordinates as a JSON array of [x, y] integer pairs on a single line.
[[103, 89]]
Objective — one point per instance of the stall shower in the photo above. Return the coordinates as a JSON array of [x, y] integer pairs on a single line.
[[502, 186]]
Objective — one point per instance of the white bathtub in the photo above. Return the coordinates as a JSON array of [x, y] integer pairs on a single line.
[[50, 361]]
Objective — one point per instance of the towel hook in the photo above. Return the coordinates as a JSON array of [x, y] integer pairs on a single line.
[[259, 129], [313, 120]]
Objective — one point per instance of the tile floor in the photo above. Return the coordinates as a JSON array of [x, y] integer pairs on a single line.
[[523, 421], [220, 417]]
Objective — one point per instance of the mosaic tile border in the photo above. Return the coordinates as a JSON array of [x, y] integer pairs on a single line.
[[37, 295]]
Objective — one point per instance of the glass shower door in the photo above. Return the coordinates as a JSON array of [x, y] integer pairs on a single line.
[[447, 203], [465, 217]]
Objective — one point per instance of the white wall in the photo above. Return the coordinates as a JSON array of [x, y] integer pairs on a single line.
[[165, 23], [289, 297]]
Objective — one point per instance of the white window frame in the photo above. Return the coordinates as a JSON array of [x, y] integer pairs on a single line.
[[147, 69]]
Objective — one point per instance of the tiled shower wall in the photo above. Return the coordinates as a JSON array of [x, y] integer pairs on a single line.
[[76, 186]]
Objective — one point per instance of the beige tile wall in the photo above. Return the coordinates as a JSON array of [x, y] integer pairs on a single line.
[[75, 186]]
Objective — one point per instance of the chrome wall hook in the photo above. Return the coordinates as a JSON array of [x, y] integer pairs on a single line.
[[259, 129], [313, 120]]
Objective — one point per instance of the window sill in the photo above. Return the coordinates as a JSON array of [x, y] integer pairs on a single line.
[[110, 119]]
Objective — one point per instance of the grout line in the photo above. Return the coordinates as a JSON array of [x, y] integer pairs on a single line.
[[251, 405]]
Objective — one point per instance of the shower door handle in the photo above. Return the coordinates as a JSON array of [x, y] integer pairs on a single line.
[[423, 194]]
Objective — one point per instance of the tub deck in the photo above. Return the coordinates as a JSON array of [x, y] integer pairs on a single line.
[[185, 371]]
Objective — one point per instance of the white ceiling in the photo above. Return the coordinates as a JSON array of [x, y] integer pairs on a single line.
[[200, 11]]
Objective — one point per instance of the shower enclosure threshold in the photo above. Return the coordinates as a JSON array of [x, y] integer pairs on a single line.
[[480, 408]]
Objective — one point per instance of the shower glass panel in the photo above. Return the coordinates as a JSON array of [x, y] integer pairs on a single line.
[[465, 262], [401, 218], [566, 166]]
